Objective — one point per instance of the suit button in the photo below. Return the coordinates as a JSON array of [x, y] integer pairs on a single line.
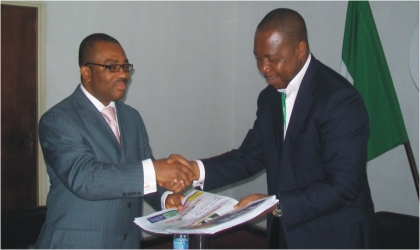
[[129, 204], [125, 236]]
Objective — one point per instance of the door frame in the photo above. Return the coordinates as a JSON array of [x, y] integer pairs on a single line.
[[43, 181]]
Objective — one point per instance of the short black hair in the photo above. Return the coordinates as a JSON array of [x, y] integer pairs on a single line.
[[88, 43], [286, 21]]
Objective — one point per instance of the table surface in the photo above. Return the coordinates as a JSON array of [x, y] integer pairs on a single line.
[[246, 236]]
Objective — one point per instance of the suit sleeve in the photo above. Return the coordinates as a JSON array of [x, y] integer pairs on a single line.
[[241, 163], [72, 159], [237, 164]]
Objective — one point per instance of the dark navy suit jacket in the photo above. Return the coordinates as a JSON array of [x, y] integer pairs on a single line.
[[319, 169]]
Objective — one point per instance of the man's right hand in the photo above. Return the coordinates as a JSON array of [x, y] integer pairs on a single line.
[[172, 176], [191, 164]]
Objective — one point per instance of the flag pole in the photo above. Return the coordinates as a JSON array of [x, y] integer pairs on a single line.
[[413, 166]]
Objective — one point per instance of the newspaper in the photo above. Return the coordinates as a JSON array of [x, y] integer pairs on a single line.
[[203, 213]]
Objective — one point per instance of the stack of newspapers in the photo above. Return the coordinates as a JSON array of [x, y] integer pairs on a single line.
[[203, 213]]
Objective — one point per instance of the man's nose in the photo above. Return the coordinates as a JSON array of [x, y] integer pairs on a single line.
[[265, 66], [122, 74]]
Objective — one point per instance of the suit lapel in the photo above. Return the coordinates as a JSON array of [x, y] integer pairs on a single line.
[[93, 121], [302, 105], [278, 125]]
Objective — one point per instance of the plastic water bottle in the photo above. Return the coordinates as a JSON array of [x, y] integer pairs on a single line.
[[181, 241]]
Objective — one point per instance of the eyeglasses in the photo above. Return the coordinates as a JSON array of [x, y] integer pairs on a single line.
[[114, 67]]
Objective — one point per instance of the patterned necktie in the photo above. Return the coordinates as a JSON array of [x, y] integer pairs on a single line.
[[109, 114], [283, 103]]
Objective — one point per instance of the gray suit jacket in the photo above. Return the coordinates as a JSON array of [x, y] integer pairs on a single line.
[[96, 184]]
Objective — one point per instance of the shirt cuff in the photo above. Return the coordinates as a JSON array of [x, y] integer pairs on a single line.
[[200, 182], [163, 199], [149, 176]]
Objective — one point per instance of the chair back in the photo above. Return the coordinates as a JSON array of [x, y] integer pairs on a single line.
[[397, 231], [21, 228]]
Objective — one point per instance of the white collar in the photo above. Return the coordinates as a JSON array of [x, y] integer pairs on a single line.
[[294, 85], [95, 101]]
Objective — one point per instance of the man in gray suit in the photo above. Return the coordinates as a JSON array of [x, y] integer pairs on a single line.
[[100, 172]]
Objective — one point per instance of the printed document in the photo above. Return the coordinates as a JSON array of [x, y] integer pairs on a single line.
[[203, 213]]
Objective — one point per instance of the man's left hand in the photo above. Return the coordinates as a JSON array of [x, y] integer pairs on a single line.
[[253, 197], [174, 200]]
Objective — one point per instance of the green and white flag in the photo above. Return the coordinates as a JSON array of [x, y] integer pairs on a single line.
[[364, 64]]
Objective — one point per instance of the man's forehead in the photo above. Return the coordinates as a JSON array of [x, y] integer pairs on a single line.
[[270, 36], [107, 48]]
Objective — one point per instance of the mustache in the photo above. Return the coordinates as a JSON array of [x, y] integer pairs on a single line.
[[124, 80]]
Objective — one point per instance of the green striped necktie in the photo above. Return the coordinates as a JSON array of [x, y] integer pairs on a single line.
[[283, 103]]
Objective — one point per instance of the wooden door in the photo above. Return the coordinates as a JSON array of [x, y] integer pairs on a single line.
[[19, 181]]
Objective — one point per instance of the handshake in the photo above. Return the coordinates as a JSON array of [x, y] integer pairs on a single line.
[[175, 173]]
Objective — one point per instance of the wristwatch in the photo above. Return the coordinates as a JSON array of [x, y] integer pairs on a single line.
[[278, 212]]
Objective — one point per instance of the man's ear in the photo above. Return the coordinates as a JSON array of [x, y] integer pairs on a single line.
[[302, 48], [85, 73]]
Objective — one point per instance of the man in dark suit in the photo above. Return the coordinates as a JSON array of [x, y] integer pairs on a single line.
[[312, 145], [100, 165]]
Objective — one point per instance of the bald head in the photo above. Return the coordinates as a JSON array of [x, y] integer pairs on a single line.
[[286, 21]]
